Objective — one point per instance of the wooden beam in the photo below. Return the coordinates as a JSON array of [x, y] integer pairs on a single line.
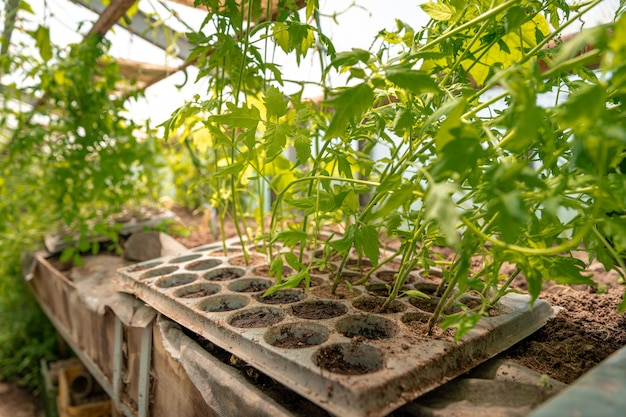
[[110, 16], [146, 27]]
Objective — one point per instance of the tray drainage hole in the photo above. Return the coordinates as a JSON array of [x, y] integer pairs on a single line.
[[318, 310], [257, 317], [349, 358], [368, 326], [203, 264], [143, 266], [164, 270], [282, 297], [197, 290], [373, 304], [253, 259], [224, 274], [296, 335], [185, 258], [250, 285], [224, 302], [176, 280]]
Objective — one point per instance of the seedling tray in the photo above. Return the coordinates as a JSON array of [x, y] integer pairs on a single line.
[[307, 335]]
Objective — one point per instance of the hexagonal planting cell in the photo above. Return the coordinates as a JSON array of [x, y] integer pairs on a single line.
[[368, 326], [257, 317], [185, 258], [318, 310], [250, 285], [203, 264], [224, 274], [349, 358], [223, 302], [296, 335], [175, 280], [282, 297], [338, 350], [153, 273], [197, 290]]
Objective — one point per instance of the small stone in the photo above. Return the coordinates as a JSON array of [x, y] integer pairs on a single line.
[[143, 246]]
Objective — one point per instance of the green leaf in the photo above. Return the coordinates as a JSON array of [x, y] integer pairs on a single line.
[[290, 282], [303, 202], [349, 104], [393, 222], [452, 160], [440, 207], [417, 82], [343, 165], [452, 121], [291, 237], [42, 39], [366, 242], [403, 195], [67, 254], [275, 103], [512, 215], [275, 140], [302, 144], [513, 18], [239, 117], [293, 261], [463, 322], [438, 11], [349, 58], [416, 294], [344, 244], [311, 6], [567, 271], [583, 107], [403, 121], [276, 268], [23, 5]]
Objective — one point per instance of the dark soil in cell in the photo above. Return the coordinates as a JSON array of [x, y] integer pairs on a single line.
[[256, 318], [223, 275], [337, 359], [197, 294], [318, 310], [342, 292], [253, 259], [282, 297], [360, 265], [375, 305], [418, 324], [264, 271]]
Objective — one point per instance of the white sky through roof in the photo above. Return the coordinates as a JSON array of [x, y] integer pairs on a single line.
[[356, 27]]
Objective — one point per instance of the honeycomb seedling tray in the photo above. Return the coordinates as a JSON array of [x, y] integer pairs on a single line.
[[332, 350]]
